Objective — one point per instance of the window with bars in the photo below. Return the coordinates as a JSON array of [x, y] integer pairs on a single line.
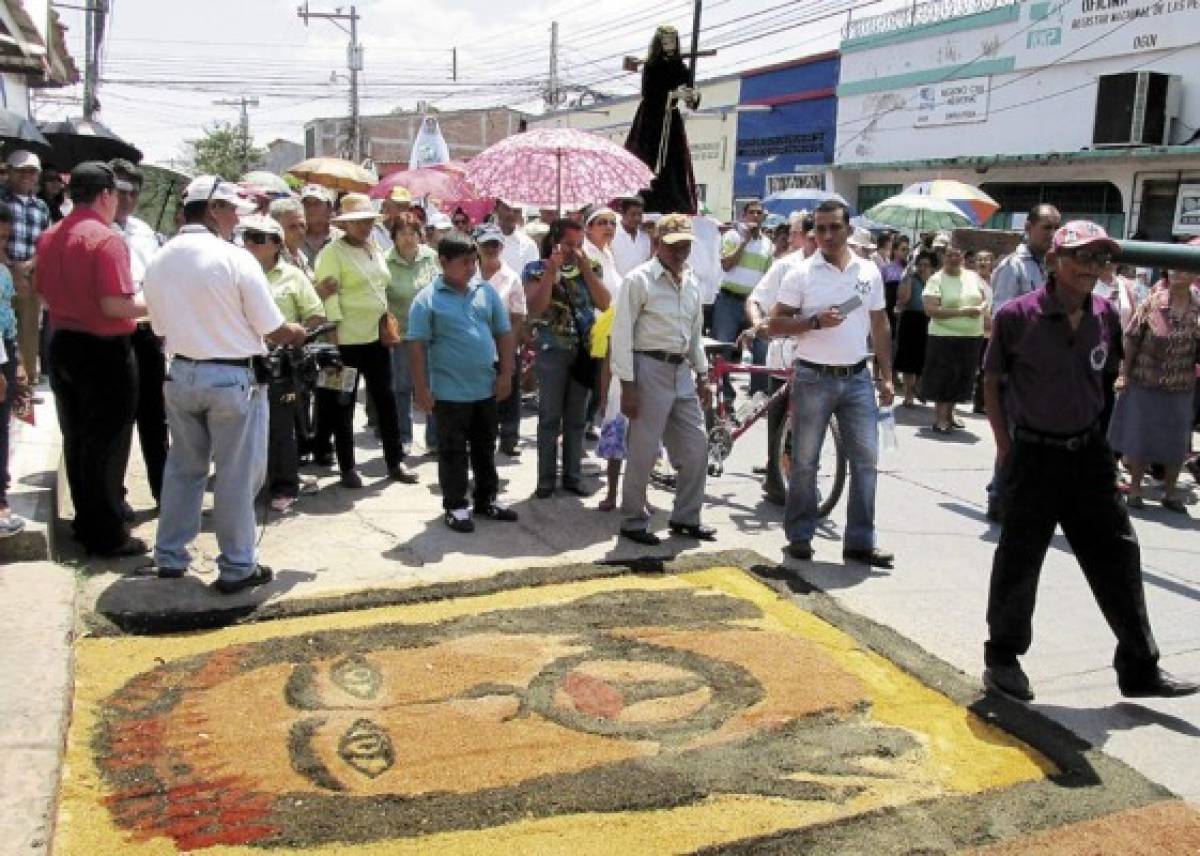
[[1098, 201]]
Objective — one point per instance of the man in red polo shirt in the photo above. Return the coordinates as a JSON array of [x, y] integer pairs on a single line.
[[83, 275]]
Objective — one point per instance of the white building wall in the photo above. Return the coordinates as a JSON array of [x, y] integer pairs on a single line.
[[712, 135], [14, 93]]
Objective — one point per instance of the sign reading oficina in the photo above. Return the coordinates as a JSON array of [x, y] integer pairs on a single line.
[[1079, 30], [952, 102]]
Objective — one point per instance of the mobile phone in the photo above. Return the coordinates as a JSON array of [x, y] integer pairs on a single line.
[[850, 305]]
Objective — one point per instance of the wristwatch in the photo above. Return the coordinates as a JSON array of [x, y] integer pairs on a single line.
[[815, 322]]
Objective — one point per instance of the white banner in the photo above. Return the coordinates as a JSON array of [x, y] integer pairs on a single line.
[[952, 102], [1079, 30], [1187, 210]]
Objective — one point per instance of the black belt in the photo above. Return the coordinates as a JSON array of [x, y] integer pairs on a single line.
[[733, 293], [664, 356], [242, 363], [1067, 442], [835, 371]]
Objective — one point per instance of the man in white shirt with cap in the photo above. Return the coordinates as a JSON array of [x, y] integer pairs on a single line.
[[211, 303]]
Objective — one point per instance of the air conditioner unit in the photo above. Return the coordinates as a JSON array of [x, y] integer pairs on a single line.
[[1136, 108]]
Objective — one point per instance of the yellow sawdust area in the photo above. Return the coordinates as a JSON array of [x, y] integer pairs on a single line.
[[960, 754]]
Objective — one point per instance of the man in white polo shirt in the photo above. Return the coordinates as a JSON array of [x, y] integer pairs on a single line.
[[519, 248], [831, 303], [211, 303], [631, 245]]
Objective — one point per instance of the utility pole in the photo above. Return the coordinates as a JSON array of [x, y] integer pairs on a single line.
[[552, 95], [94, 13], [243, 124], [354, 61], [454, 64]]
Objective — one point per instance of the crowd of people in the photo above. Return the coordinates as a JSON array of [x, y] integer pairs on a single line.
[[606, 311]]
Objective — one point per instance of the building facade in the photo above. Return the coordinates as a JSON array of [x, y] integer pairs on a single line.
[[786, 127], [282, 155], [33, 55], [388, 139], [1092, 105]]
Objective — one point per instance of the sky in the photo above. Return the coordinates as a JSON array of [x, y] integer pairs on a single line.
[[165, 62]]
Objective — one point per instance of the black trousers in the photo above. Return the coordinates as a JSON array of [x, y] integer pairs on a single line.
[[466, 432], [9, 370], [283, 452], [509, 410], [777, 414], [1047, 487], [95, 387], [151, 416], [335, 416]]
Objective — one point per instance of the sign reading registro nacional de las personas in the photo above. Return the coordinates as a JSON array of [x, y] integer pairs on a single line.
[[952, 102], [1079, 30]]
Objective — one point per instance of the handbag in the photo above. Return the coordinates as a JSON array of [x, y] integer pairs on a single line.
[[583, 369], [389, 330]]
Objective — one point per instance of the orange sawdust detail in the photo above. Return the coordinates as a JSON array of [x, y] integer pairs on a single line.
[[1160, 829], [593, 696]]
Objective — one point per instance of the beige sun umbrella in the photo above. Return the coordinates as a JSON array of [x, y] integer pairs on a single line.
[[336, 174]]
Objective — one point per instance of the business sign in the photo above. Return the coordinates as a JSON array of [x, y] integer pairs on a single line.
[[1187, 210], [952, 102], [1081, 30]]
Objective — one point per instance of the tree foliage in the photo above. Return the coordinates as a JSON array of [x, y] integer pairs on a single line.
[[222, 151]]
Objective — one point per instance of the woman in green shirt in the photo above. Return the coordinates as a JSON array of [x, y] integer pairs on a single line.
[[356, 307], [412, 266], [956, 302]]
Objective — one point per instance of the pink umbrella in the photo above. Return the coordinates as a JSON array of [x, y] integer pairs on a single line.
[[560, 168], [445, 184]]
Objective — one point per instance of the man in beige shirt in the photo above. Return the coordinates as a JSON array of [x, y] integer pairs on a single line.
[[658, 356]]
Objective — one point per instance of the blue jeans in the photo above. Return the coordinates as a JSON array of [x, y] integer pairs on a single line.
[[815, 398], [729, 320], [216, 412], [402, 385], [562, 409]]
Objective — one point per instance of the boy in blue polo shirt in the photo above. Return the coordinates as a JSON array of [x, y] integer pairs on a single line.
[[456, 333]]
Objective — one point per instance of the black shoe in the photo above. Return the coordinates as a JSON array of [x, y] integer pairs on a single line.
[[775, 497], [693, 530], [351, 478], [759, 470], [591, 434], [577, 489], [875, 557], [492, 511], [399, 474], [511, 449], [322, 459], [544, 492], [801, 550], [171, 573], [1155, 684], [994, 514], [261, 576], [129, 547], [127, 512], [641, 536], [1009, 680], [459, 524]]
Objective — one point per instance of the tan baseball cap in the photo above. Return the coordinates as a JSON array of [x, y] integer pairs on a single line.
[[674, 228]]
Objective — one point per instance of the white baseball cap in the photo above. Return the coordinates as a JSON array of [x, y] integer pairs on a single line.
[[211, 188], [21, 159]]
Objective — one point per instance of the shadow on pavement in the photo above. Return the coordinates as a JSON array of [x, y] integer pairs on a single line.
[[1097, 724], [187, 603]]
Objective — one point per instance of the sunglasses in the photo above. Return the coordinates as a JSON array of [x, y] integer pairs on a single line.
[[1087, 258], [260, 239], [604, 222]]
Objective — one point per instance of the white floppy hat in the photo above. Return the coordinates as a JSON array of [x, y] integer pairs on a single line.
[[356, 206], [211, 188]]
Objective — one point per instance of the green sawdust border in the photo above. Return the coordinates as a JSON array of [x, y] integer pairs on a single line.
[[1089, 783]]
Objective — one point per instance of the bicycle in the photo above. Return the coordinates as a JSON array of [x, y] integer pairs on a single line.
[[725, 428]]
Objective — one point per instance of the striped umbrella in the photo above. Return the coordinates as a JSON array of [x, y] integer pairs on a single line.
[[970, 200], [913, 213]]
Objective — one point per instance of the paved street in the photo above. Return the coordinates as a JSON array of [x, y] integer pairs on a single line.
[[930, 511]]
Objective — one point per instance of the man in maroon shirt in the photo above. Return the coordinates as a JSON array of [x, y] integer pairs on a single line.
[[83, 275], [1051, 348]]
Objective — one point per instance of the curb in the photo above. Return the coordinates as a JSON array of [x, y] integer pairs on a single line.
[[35, 469]]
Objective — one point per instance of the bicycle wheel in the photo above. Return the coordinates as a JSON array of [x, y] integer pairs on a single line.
[[832, 466]]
